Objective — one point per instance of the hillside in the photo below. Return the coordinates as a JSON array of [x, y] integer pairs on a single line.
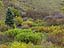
[[38, 5], [31, 23]]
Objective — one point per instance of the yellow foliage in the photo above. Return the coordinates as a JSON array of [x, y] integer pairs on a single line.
[[18, 20], [20, 45]]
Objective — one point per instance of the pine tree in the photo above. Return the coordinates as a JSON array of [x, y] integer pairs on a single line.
[[9, 17]]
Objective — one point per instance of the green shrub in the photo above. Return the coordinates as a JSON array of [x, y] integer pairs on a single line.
[[24, 35], [29, 37], [11, 13], [9, 17], [12, 32]]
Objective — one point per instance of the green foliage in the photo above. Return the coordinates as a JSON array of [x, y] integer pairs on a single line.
[[25, 35], [31, 29], [29, 37], [9, 17], [12, 32], [11, 13]]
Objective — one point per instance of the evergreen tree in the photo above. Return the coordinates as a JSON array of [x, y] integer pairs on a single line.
[[9, 17]]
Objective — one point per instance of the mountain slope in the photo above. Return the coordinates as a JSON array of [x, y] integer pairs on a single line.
[[49, 6]]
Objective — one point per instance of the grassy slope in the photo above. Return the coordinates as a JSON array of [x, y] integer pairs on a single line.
[[46, 5], [40, 5]]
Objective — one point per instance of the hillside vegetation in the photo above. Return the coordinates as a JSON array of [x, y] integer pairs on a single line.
[[31, 23]]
